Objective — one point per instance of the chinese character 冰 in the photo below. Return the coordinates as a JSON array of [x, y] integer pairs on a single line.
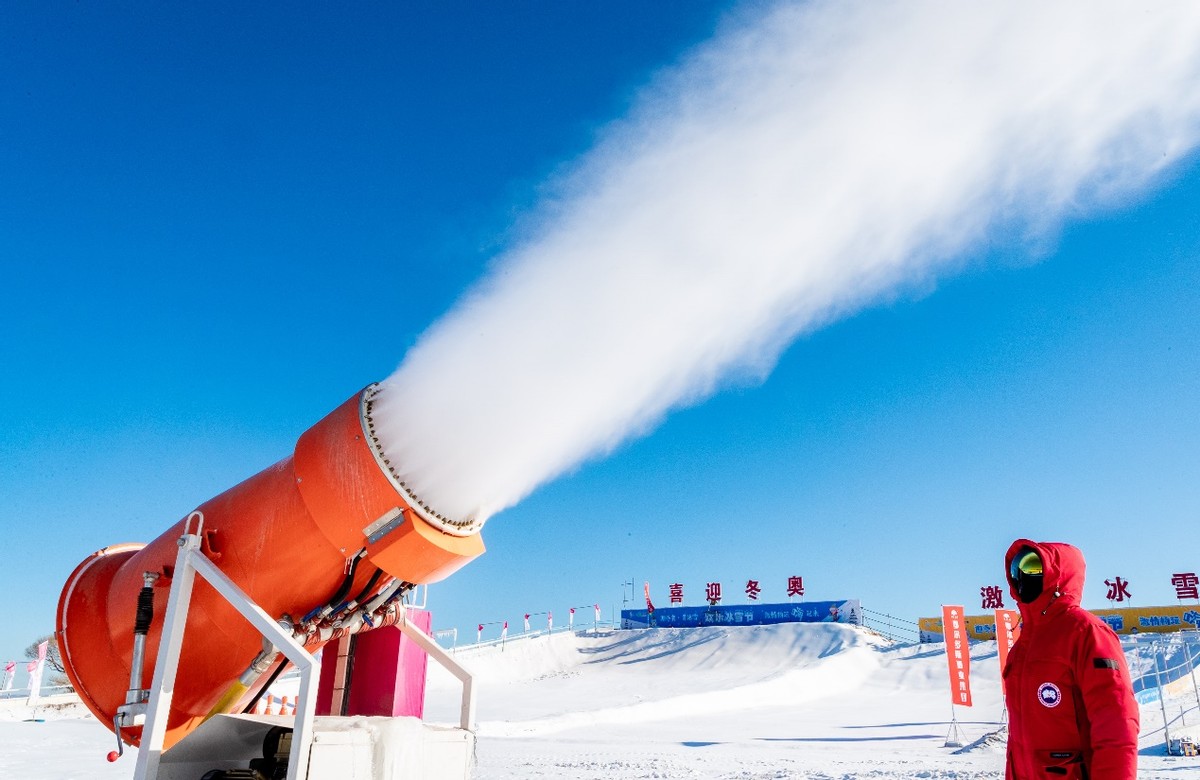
[[752, 590], [676, 590], [1117, 591], [795, 586], [712, 593], [992, 597], [1186, 585]]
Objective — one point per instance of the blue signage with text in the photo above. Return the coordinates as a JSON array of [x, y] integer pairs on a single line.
[[744, 615]]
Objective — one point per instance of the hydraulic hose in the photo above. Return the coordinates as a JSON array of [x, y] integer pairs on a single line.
[[347, 582], [342, 590], [370, 586]]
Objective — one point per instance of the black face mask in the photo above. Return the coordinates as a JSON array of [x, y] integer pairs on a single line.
[[1025, 573], [1029, 587]]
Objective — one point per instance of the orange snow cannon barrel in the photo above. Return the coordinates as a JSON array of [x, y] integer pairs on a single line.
[[330, 521]]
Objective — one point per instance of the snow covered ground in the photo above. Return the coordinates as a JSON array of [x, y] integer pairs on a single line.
[[785, 701]]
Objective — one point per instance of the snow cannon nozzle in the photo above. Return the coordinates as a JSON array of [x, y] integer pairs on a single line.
[[458, 526]]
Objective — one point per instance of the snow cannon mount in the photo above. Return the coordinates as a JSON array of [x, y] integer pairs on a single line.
[[323, 544]]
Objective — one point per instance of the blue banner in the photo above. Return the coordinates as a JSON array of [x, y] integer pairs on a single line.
[[848, 611]]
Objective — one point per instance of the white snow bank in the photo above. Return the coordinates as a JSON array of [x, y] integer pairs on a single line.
[[550, 683], [788, 701]]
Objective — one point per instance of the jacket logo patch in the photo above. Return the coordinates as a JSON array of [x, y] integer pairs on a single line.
[[1049, 694]]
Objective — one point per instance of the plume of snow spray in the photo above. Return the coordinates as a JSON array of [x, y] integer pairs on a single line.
[[806, 162]]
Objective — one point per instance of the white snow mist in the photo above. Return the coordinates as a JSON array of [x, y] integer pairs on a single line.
[[808, 161]]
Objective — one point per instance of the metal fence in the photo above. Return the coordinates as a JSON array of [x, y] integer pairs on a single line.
[[448, 638], [1163, 668], [894, 628], [45, 692]]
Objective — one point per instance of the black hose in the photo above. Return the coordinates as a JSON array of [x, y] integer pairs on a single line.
[[346, 583], [370, 586], [283, 664], [145, 611]]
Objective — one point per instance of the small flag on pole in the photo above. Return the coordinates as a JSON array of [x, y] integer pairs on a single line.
[[35, 673], [958, 654], [1008, 628]]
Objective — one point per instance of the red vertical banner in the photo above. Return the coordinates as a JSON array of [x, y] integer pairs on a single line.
[[1008, 628], [958, 655]]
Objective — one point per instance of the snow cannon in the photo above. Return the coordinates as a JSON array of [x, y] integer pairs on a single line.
[[326, 542]]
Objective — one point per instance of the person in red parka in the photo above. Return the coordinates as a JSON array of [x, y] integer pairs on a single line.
[[1071, 711]]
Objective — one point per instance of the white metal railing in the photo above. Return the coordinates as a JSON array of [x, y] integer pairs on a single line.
[[45, 692], [582, 630]]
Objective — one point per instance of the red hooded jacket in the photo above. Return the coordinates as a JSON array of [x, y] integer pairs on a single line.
[[1071, 711]]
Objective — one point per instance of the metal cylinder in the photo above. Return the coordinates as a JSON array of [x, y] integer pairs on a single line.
[[283, 536]]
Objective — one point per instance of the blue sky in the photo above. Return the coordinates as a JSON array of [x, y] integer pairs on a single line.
[[219, 223]]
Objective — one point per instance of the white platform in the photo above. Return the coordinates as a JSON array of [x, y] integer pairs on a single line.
[[355, 748]]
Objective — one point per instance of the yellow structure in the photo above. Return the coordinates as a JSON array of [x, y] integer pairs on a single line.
[[1128, 620]]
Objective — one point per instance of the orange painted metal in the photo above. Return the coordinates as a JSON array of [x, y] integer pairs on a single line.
[[283, 536]]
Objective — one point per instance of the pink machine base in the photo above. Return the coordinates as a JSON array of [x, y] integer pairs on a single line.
[[386, 672]]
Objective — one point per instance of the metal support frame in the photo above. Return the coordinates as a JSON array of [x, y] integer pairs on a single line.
[[438, 653], [189, 562], [1162, 695], [1187, 653], [954, 737]]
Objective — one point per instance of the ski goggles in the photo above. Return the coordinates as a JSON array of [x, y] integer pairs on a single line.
[[1026, 564]]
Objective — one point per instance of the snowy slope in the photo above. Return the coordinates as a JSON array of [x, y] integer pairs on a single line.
[[786, 701], [764, 701]]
